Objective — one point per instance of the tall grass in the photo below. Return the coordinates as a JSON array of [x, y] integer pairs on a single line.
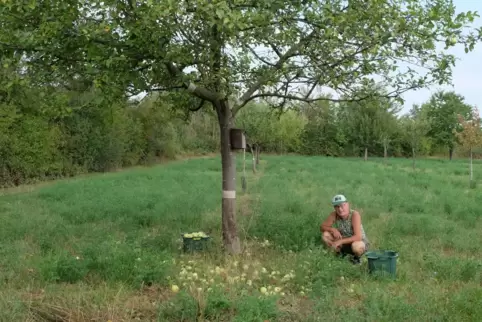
[[108, 246]]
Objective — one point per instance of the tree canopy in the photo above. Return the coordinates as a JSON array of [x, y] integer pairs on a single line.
[[240, 49], [442, 112]]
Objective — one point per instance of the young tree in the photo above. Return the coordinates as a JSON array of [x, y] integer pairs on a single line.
[[364, 125], [470, 136], [321, 134], [415, 128], [388, 123], [369, 121], [229, 53], [257, 121]]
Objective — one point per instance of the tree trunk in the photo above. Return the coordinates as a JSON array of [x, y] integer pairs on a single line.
[[413, 158], [366, 154], [214, 131], [385, 152], [230, 231], [257, 148], [471, 167], [451, 153], [254, 158]]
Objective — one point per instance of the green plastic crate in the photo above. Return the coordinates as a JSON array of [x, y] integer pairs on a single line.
[[194, 244], [382, 262]]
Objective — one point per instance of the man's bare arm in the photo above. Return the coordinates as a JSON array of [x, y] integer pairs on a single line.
[[326, 225]]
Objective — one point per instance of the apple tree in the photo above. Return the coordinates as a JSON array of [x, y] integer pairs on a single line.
[[227, 53]]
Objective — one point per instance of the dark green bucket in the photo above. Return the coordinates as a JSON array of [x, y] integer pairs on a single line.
[[382, 262], [193, 244]]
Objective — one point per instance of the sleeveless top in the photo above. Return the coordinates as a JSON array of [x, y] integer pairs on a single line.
[[346, 229]]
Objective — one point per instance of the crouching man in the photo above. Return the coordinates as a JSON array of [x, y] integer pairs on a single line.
[[343, 231]]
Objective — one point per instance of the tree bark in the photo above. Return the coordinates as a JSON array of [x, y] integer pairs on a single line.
[[385, 152], [229, 227], [471, 167], [413, 158], [254, 158], [257, 148], [366, 154]]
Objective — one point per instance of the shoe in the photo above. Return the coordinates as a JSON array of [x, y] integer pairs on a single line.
[[356, 260], [341, 255]]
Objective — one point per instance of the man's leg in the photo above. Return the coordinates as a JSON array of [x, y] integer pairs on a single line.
[[327, 238], [342, 251], [358, 248]]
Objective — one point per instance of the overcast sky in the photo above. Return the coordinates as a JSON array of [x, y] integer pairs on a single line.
[[467, 74]]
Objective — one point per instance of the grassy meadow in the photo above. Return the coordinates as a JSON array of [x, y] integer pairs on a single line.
[[108, 247]]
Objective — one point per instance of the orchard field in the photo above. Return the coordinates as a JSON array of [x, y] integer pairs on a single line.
[[108, 247]]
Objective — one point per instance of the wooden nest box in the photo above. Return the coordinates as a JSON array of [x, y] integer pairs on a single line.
[[238, 139]]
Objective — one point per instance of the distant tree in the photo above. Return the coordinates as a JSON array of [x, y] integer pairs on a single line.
[[322, 133], [415, 128], [388, 124], [442, 110], [470, 136], [258, 123], [371, 121]]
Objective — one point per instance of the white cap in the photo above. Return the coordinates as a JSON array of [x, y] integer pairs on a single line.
[[338, 199]]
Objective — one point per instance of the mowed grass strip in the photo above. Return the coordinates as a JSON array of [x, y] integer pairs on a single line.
[[107, 246]]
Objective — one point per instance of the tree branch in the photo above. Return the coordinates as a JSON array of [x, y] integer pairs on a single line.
[[304, 99], [198, 91], [259, 57], [262, 79], [165, 89]]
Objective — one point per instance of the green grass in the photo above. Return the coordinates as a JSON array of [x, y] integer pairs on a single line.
[[108, 246]]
